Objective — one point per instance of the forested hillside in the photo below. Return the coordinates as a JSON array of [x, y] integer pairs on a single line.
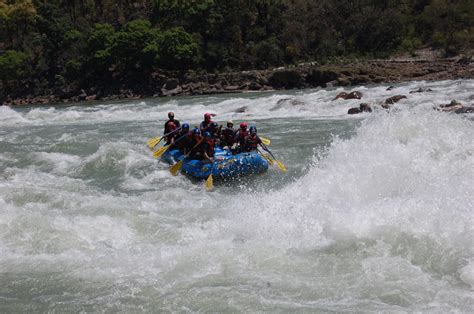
[[51, 45]]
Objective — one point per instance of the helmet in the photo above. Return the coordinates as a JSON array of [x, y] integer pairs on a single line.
[[243, 125], [253, 129], [213, 125], [230, 123], [185, 126], [171, 114], [207, 116], [196, 131], [207, 134]]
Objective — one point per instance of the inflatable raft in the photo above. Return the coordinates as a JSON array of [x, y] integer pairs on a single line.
[[225, 165]]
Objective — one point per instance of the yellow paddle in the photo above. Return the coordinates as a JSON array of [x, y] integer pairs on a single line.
[[209, 182], [265, 141], [279, 163], [160, 151], [154, 141], [177, 166]]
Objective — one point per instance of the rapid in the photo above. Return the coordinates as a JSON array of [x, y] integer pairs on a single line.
[[375, 212]]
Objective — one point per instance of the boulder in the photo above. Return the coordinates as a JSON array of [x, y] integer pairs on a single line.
[[452, 106], [354, 111], [286, 79], [394, 99], [469, 109], [363, 107], [319, 77], [241, 109], [171, 84], [421, 90], [82, 95], [351, 95]]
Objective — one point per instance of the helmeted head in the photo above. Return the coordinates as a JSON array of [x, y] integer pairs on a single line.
[[213, 125], [243, 125], [185, 126], [196, 131], [207, 117], [207, 134], [171, 115], [230, 124], [253, 130]]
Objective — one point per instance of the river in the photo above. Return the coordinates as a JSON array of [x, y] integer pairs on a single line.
[[375, 212]]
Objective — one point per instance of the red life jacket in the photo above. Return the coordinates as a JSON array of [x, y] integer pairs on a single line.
[[251, 142], [241, 136], [210, 145]]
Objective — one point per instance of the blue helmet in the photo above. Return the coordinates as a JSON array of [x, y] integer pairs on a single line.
[[207, 134], [253, 129], [185, 126], [196, 131]]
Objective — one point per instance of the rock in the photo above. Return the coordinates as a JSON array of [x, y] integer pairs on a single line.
[[421, 90], [241, 109], [354, 95], [394, 99], [286, 79], [363, 107], [342, 95], [172, 92], [342, 81], [91, 97], [321, 77], [254, 86], [231, 87], [171, 84], [351, 95], [452, 106], [354, 111], [390, 88], [469, 109], [82, 95]]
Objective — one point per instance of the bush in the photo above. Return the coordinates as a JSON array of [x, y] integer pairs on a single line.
[[14, 65]]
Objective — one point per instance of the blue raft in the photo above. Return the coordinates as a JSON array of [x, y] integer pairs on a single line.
[[225, 165]]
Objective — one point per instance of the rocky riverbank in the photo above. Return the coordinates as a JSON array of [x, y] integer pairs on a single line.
[[302, 76]]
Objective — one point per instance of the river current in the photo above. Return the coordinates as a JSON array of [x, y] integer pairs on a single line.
[[375, 212]]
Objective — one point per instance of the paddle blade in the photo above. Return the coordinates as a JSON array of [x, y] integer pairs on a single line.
[[280, 165], [209, 183], [160, 151], [265, 141], [176, 168], [268, 158], [153, 142]]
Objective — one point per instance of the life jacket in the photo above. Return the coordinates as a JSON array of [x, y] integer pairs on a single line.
[[209, 146], [204, 126], [185, 141], [251, 142], [170, 127], [240, 137], [227, 136], [167, 126]]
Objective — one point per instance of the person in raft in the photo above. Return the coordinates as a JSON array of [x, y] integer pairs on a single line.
[[171, 119], [227, 135], [206, 124]]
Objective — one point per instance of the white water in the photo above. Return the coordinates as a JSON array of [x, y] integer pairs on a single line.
[[374, 214]]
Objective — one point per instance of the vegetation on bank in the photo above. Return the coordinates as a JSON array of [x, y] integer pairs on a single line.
[[46, 46]]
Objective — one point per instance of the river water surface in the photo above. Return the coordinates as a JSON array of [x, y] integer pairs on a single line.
[[375, 212]]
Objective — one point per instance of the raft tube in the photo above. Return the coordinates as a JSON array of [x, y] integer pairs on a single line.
[[225, 165]]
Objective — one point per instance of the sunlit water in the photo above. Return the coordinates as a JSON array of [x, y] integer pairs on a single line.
[[375, 212]]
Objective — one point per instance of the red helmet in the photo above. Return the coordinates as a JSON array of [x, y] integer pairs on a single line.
[[171, 114], [243, 125], [207, 116]]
